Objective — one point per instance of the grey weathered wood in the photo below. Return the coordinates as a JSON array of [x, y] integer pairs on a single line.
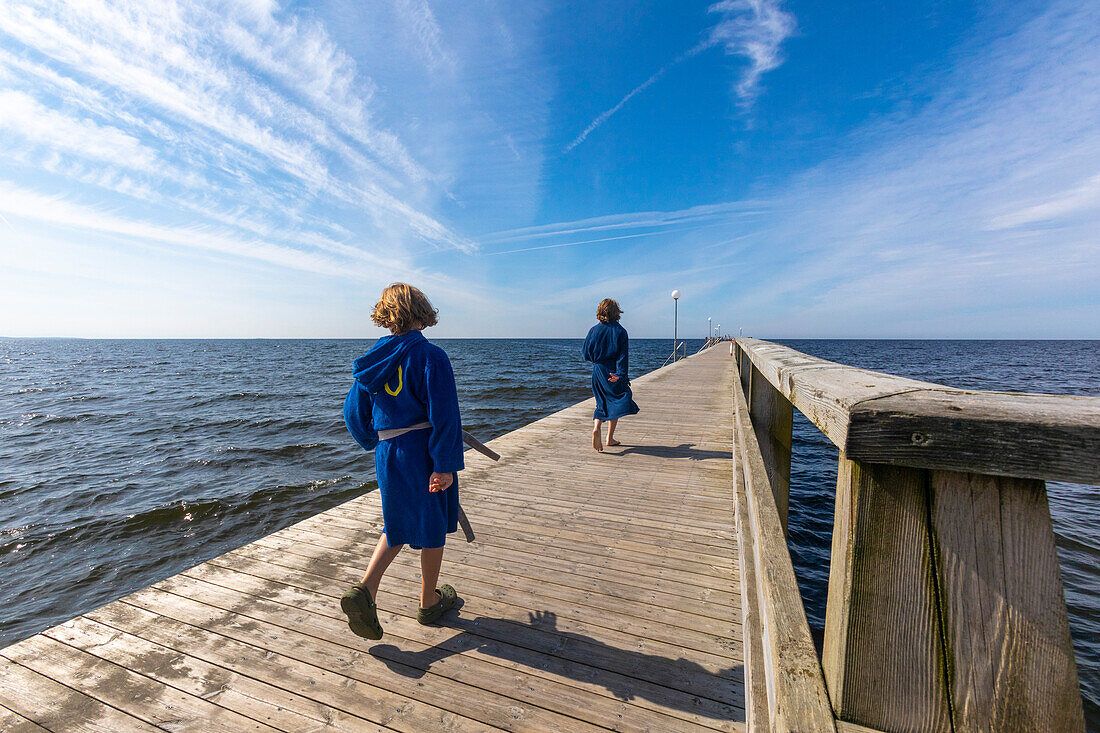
[[773, 422], [1051, 437], [881, 418], [13, 722], [883, 656], [756, 683], [54, 706], [1010, 654], [797, 699]]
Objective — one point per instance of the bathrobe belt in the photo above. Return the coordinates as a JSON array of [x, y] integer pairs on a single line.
[[468, 440], [394, 432]]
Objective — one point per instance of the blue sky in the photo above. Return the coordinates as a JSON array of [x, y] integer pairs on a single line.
[[798, 169]]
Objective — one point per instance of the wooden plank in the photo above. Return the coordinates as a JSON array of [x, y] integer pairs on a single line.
[[211, 682], [881, 418], [1000, 592], [796, 688], [252, 578], [13, 722], [133, 693], [53, 706], [508, 536], [707, 638], [310, 639], [882, 599], [687, 629], [325, 684], [578, 573]]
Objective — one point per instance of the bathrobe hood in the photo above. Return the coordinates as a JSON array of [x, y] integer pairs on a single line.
[[379, 365]]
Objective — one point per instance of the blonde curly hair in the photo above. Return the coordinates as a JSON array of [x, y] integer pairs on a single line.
[[608, 311], [403, 308]]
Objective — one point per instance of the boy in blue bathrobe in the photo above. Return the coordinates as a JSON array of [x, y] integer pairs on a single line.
[[404, 401]]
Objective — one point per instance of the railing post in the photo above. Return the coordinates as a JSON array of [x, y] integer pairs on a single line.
[[773, 422], [883, 655], [945, 607], [1006, 628]]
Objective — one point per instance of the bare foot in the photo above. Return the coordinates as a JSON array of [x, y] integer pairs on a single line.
[[612, 441], [597, 441]]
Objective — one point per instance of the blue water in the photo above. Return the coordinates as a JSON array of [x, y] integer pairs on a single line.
[[123, 462]]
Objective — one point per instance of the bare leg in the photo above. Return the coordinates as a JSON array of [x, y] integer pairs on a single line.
[[380, 560], [611, 433], [430, 560], [597, 441]]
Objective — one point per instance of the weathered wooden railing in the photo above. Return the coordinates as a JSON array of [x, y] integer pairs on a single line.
[[945, 607]]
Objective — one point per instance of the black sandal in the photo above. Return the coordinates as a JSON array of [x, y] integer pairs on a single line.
[[362, 614], [448, 599]]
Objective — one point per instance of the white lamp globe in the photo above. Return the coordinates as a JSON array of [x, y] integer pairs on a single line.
[[675, 294]]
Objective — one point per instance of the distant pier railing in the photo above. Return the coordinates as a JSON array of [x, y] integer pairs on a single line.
[[945, 607]]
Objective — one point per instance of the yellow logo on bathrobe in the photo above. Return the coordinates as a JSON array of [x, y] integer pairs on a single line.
[[400, 384]]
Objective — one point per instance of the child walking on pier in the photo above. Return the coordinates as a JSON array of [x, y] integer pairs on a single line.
[[607, 346], [404, 398]]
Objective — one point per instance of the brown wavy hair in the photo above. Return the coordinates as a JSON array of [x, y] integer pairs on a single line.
[[403, 308], [608, 311]]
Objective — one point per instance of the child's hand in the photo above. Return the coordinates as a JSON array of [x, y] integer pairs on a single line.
[[440, 482]]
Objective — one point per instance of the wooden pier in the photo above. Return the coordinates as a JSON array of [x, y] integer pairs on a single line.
[[602, 593], [646, 588]]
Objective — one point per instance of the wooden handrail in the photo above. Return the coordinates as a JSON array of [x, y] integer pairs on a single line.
[[945, 603], [882, 418]]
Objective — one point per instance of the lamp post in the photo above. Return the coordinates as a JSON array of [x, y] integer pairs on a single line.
[[710, 331], [718, 328], [675, 320]]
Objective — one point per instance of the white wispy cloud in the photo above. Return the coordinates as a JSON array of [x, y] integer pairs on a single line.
[[267, 105], [24, 116], [56, 211], [754, 30]]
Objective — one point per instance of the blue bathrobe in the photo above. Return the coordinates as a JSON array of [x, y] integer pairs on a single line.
[[404, 380], [608, 349]]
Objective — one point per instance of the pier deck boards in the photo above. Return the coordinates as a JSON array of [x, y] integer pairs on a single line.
[[602, 593]]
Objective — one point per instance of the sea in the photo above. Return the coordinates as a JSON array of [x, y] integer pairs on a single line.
[[123, 462]]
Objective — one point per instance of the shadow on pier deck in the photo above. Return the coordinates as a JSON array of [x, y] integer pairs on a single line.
[[602, 593]]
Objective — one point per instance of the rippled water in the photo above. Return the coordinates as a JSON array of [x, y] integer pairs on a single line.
[[123, 462]]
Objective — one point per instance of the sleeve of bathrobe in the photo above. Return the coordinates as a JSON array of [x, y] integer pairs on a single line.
[[357, 416], [622, 360], [588, 351], [445, 439]]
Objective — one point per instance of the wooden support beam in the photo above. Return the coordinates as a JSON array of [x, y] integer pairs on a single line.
[[883, 655], [1010, 655], [960, 572]]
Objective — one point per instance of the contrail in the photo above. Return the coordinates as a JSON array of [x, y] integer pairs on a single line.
[[5, 220], [602, 239], [641, 87]]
